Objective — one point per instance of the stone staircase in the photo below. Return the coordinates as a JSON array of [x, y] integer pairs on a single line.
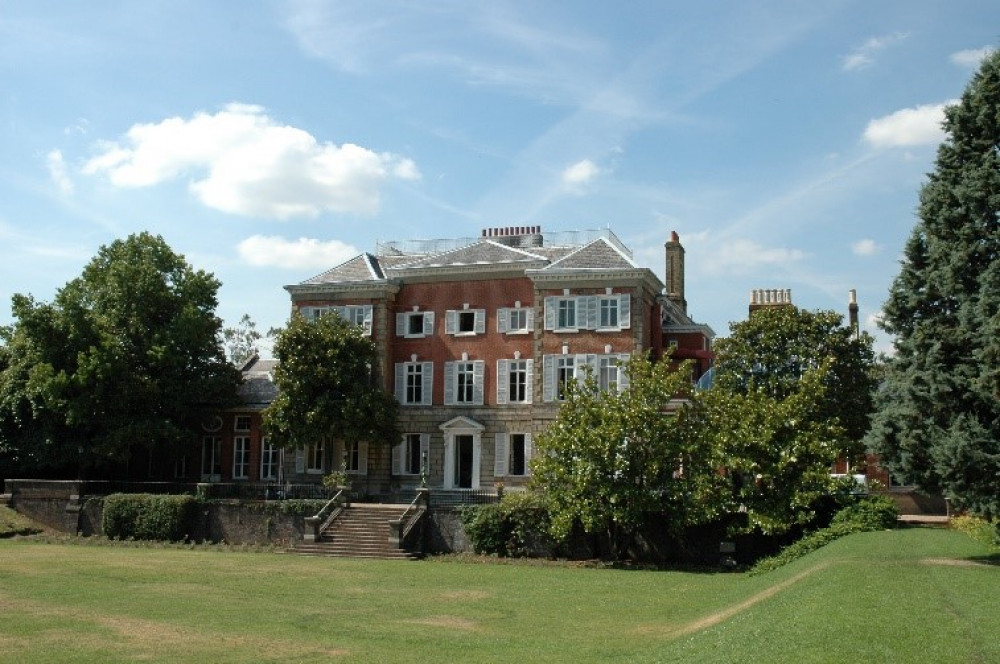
[[360, 531]]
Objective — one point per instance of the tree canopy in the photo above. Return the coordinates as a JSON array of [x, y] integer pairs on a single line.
[[772, 350], [328, 386], [126, 354], [938, 411], [611, 458]]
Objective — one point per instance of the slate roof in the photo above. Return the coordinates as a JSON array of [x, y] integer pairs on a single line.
[[364, 267], [257, 388], [598, 255], [484, 252]]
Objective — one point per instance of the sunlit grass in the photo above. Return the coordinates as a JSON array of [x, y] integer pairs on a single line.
[[910, 595]]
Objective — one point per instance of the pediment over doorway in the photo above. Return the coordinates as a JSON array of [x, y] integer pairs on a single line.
[[462, 423]]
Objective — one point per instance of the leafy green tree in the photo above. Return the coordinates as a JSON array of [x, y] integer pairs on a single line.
[[328, 389], [611, 459], [773, 452], [772, 350], [938, 417], [127, 354]]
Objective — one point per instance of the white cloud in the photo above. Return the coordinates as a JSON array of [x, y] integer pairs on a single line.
[[742, 256], [970, 58], [908, 127], [581, 172], [268, 251], [864, 55], [243, 162], [57, 171], [865, 247]]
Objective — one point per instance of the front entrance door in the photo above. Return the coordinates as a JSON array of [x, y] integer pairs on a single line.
[[463, 461]]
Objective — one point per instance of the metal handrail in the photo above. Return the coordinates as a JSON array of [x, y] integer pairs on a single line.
[[319, 514], [413, 519]]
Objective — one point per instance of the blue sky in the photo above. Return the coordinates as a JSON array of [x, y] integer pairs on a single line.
[[268, 141]]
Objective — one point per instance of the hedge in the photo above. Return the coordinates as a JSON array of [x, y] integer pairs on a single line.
[[144, 516]]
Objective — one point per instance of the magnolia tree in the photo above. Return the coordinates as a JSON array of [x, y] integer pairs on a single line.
[[610, 459], [328, 386]]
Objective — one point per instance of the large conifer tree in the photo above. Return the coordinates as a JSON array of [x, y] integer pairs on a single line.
[[938, 418]]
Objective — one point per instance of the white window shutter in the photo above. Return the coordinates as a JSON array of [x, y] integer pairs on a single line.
[[300, 461], [427, 384], [401, 325], [450, 322], [527, 454], [589, 315], [549, 378], [478, 382], [500, 456], [449, 383], [503, 381], [551, 312], [400, 382], [428, 323], [625, 311], [397, 456], [529, 318], [503, 323], [623, 359], [580, 364], [529, 382], [480, 321]]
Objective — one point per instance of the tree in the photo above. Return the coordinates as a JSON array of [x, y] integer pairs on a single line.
[[772, 350], [241, 340], [611, 458], [326, 377], [773, 452], [938, 412], [126, 354]]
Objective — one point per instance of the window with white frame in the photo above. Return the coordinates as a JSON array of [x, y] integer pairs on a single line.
[[356, 457], [414, 383], [463, 382], [359, 314], [466, 322], [410, 453], [241, 457], [514, 381], [415, 324], [314, 458], [515, 320], [570, 313], [269, 458], [242, 423], [511, 454], [558, 371], [211, 458]]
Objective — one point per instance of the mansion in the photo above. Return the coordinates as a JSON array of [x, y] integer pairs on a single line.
[[477, 339]]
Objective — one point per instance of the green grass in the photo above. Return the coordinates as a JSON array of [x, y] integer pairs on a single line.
[[909, 595], [12, 523]]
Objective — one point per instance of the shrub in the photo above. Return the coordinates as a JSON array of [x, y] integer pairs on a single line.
[[865, 514], [148, 517], [874, 512], [982, 530], [517, 526]]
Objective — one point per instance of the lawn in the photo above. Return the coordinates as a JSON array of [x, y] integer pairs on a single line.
[[911, 595]]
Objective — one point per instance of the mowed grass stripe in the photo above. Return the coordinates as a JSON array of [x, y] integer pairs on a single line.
[[91, 603]]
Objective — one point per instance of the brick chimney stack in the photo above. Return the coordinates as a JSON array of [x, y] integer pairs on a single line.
[[675, 271]]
